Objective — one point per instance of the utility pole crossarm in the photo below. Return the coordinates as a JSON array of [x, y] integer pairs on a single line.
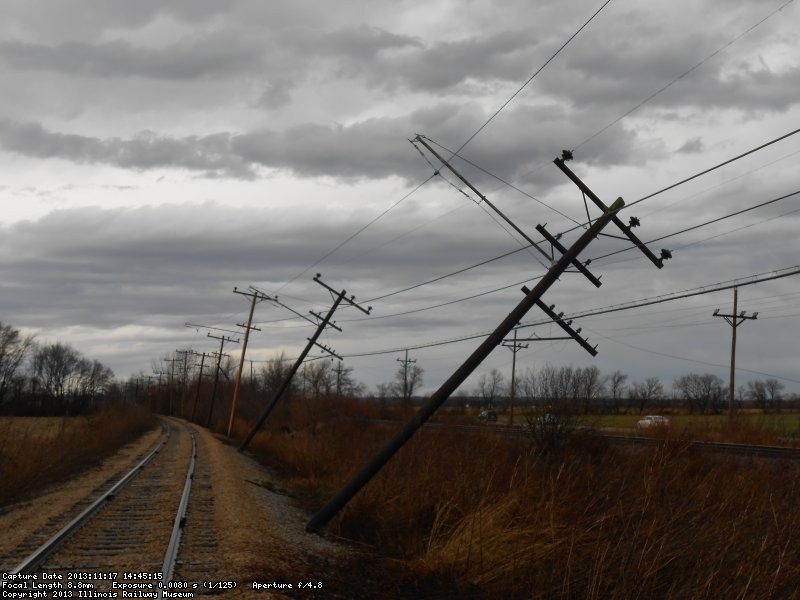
[[351, 300], [576, 263], [565, 325], [560, 163], [320, 317], [325, 348]]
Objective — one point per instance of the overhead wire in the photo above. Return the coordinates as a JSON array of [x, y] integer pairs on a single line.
[[682, 75], [704, 224], [469, 139], [532, 77], [679, 295]]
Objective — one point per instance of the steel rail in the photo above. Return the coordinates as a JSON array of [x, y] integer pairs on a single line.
[[171, 556], [38, 556]]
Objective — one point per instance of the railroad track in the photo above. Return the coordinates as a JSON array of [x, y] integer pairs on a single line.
[[150, 533]]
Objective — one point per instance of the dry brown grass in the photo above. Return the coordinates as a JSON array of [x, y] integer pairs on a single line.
[[482, 512], [37, 451]]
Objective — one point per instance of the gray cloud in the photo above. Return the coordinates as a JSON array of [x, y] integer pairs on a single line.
[[374, 148], [190, 58]]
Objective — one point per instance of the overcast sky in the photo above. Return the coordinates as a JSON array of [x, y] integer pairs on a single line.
[[156, 154]]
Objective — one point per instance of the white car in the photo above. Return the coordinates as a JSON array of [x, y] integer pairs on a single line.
[[652, 422]]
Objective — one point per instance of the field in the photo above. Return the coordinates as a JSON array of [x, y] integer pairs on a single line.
[[37, 451], [481, 515]]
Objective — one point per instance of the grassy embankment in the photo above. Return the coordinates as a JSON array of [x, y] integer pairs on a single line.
[[37, 451], [486, 515]]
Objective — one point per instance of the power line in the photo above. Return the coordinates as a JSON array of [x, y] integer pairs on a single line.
[[715, 167], [354, 235], [693, 360], [531, 78], [702, 290], [682, 75], [705, 223], [481, 128]]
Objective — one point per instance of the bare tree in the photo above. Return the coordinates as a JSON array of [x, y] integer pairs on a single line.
[[317, 378], [757, 392], [642, 393], [701, 392], [490, 386], [590, 385], [13, 350], [616, 387], [407, 380], [774, 389]]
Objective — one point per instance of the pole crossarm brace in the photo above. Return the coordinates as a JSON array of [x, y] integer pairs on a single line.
[[560, 163], [421, 139], [576, 263], [565, 325], [440, 396]]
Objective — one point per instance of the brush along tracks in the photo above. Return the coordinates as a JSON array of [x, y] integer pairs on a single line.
[[130, 537]]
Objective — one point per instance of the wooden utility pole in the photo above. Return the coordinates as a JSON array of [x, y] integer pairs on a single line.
[[532, 298], [199, 382], [255, 296], [440, 396], [222, 339], [515, 347], [312, 341], [734, 320], [406, 394]]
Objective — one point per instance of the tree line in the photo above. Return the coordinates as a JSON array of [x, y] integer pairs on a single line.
[[588, 389], [49, 378]]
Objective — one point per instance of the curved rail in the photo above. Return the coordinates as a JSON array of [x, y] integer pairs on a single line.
[[37, 557]]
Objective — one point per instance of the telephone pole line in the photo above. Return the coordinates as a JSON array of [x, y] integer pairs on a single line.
[[734, 320], [222, 339], [532, 298], [325, 321], [255, 297]]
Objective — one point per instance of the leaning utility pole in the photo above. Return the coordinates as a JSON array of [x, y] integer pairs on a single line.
[[255, 296], [440, 396], [532, 297], [734, 320], [312, 341], [222, 339]]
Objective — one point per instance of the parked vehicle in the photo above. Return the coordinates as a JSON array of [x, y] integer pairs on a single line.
[[652, 422], [488, 416]]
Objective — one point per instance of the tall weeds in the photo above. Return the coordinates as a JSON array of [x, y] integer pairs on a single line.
[[486, 512], [37, 451]]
